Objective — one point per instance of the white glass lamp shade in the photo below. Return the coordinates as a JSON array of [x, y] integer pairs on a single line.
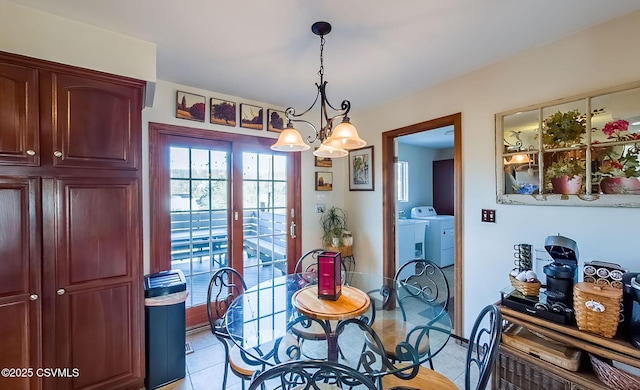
[[325, 151], [345, 136], [290, 141]]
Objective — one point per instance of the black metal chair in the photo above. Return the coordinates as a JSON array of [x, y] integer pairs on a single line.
[[372, 359], [482, 352], [428, 287], [311, 375], [225, 285]]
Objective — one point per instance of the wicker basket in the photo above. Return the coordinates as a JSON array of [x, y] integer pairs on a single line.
[[613, 377], [531, 289], [344, 250], [597, 308]]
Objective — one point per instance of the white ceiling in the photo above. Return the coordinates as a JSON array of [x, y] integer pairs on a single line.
[[440, 138], [378, 50]]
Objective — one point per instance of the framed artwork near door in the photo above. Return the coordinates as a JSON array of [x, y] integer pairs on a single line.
[[324, 181], [223, 112], [251, 117], [275, 120], [361, 175], [190, 106]]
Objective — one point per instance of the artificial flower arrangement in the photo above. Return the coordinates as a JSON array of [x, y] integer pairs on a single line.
[[620, 160]]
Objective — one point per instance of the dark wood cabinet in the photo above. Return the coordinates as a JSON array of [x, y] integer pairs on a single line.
[[19, 131], [20, 270], [70, 235], [92, 124]]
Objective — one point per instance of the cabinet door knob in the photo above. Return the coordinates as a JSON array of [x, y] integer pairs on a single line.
[[33, 297], [60, 291], [31, 152], [57, 153]]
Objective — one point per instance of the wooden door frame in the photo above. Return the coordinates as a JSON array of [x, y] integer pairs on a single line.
[[389, 208], [160, 253]]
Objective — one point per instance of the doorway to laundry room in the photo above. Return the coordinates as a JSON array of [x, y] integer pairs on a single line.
[[426, 179]]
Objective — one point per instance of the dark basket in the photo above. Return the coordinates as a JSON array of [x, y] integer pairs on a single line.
[[613, 377]]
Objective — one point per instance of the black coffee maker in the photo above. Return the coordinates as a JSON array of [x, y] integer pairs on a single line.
[[561, 274], [631, 304]]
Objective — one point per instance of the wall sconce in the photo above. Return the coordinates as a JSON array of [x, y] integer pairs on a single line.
[[329, 275]]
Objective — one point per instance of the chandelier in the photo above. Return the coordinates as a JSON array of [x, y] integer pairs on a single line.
[[334, 141]]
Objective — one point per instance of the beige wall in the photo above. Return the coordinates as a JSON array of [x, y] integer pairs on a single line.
[[33, 33], [600, 57]]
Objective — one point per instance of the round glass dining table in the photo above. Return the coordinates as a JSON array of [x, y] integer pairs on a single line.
[[269, 317]]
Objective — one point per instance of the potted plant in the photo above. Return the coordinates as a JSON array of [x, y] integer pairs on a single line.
[[563, 129], [566, 176], [618, 169], [334, 223]]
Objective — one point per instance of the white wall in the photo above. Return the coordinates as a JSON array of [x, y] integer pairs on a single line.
[[420, 161], [600, 57], [163, 111], [38, 34]]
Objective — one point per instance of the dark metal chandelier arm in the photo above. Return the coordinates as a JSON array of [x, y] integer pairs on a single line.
[[325, 130]]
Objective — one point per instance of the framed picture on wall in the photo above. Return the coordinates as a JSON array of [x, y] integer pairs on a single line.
[[324, 162], [223, 112], [361, 169], [190, 106], [324, 181], [251, 117], [276, 120]]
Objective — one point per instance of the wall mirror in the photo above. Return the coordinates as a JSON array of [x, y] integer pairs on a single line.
[[577, 151]]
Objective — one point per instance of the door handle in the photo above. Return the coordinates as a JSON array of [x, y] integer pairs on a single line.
[[292, 230], [33, 297], [60, 291]]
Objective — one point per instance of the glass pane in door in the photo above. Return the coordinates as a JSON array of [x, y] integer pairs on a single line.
[[265, 216], [199, 215]]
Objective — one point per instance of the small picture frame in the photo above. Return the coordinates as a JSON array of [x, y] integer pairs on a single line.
[[324, 181], [323, 162], [276, 120], [251, 117], [223, 112], [190, 106], [361, 173]]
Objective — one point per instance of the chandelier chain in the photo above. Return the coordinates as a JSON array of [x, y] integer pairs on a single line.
[[321, 71]]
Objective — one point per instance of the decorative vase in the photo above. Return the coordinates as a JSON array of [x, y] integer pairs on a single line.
[[564, 185], [620, 185]]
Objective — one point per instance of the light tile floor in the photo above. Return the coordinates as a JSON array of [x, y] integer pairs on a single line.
[[205, 366]]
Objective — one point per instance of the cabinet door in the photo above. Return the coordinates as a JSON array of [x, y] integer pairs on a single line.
[[96, 123], [98, 283], [20, 300], [19, 141]]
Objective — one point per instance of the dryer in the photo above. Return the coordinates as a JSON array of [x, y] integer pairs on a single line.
[[438, 236]]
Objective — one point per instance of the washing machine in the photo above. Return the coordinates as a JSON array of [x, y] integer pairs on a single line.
[[438, 235]]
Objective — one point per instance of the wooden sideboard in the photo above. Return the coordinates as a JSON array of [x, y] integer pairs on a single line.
[[517, 370]]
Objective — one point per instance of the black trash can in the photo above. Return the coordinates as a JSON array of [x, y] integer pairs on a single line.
[[165, 293]]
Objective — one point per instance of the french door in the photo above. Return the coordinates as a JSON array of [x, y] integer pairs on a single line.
[[227, 202]]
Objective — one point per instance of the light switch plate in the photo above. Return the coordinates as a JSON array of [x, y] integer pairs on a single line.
[[488, 215]]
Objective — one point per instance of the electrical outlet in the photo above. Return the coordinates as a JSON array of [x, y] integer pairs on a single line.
[[320, 207], [488, 215]]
